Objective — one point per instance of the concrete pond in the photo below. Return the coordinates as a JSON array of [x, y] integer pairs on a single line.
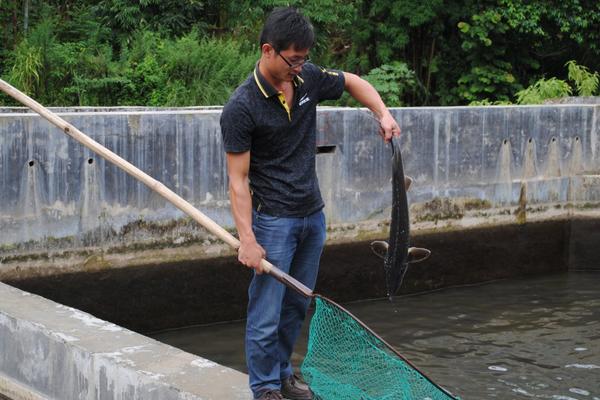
[[498, 192]]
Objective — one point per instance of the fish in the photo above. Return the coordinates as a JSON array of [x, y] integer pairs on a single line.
[[396, 252]]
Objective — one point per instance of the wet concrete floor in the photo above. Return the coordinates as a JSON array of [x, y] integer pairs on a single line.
[[536, 337]]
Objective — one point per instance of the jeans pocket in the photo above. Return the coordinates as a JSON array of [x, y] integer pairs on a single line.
[[266, 218]]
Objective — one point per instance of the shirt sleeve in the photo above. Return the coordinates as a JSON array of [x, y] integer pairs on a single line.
[[331, 83], [236, 128]]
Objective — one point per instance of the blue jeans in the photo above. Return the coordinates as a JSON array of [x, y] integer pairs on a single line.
[[275, 312]]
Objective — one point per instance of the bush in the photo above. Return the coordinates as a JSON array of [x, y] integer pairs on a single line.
[[202, 71], [150, 70], [393, 81], [542, 90], [585, 82]]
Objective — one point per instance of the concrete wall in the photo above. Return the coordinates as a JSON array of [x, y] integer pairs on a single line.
[[55, 195], [49, 351]]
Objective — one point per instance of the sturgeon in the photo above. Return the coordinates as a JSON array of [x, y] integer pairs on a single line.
[[396, 252]]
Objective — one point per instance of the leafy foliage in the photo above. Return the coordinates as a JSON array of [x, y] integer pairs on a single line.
[[173, 17], [194, 52], [542, 90], [392, 81], [25, 71], [509, 42], [586, 84], [202, 72], [585, 81]]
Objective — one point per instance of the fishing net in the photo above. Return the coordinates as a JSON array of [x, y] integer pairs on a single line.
[[346, 361]]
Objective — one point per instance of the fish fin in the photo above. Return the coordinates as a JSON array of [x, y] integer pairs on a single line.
[[380, 248], [407, 182], [417, 254]]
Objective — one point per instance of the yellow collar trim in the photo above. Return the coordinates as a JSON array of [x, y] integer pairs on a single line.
[[260, 86]]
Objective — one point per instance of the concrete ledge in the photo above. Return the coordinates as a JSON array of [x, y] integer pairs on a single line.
[[50, 351], [16, 391]]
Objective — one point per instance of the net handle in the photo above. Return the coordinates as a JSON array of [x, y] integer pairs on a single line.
[[152, 183]]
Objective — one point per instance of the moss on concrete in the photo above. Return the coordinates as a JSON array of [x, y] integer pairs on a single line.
[[437, 209], [477, 204]]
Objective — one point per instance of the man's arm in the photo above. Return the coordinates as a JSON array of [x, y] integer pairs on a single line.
[[250, 252], [366, 95]]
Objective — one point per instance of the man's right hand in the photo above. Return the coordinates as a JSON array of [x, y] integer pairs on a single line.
[[251, 254]]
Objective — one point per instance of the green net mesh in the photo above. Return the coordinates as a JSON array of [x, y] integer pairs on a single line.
[[346, 361]]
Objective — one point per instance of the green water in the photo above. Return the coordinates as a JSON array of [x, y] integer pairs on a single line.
[[535, 338]]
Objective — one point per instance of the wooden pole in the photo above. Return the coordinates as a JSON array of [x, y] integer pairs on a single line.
[[152, 183]]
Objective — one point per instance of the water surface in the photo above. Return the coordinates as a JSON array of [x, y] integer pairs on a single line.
[[536, 338]]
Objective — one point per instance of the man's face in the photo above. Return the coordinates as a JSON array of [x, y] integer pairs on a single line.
[[286, 64]]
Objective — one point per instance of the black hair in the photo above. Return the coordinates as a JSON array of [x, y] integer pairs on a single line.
[[286, 27]]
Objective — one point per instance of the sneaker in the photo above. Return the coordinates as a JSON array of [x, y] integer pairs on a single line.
[[270, 395], [292, 388]]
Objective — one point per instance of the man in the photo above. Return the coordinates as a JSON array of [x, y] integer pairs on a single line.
[[269, 136]]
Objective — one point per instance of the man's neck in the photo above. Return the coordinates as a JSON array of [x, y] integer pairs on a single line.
[[278, 84]]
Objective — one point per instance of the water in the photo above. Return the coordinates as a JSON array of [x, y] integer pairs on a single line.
[[516, 339]]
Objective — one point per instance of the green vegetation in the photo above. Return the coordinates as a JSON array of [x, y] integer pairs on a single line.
[[195, 52], [542, 90], [586, 84], [585, 81]]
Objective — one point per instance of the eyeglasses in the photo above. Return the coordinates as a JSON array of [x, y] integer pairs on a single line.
[[297, 63]]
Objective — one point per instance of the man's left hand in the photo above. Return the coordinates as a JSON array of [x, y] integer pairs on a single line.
[[388, 127]]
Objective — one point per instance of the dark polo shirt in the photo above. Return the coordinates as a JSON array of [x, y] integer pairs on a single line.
[[281, 138]]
